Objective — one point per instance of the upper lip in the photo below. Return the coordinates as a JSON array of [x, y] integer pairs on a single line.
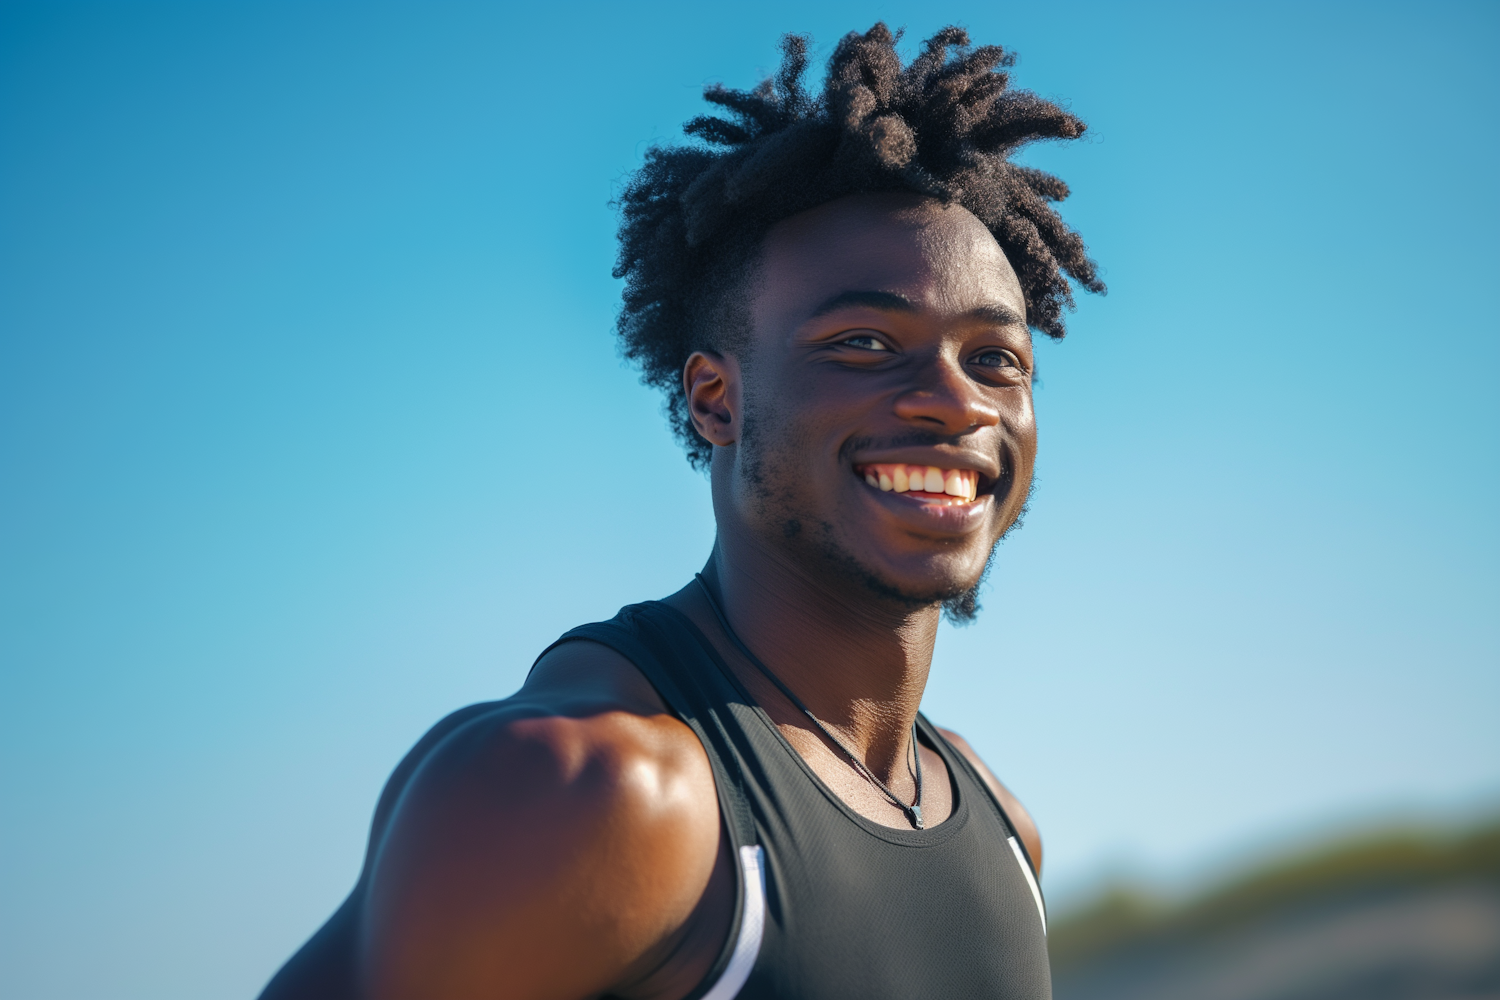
[[988, 466]]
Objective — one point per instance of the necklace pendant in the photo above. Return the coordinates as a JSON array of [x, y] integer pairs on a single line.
[[916, 817]]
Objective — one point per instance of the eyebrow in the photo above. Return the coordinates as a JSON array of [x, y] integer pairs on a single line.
[[884, 301], [893, 302], [999, 315]]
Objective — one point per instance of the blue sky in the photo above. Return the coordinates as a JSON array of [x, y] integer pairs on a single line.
[[297, 299]]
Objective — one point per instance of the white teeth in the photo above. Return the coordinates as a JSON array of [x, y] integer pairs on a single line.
[[962, 484]]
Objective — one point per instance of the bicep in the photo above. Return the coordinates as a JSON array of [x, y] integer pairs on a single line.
[[1019, 817]]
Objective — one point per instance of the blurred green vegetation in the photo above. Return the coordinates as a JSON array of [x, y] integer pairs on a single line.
[[1130, 918]]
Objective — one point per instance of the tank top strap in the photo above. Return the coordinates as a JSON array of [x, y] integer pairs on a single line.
[[662, 644], [959, 760]]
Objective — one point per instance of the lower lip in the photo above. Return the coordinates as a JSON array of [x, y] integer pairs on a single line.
[[933, 515]]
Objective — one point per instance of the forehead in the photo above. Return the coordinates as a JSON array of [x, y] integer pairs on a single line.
[[939, 257]]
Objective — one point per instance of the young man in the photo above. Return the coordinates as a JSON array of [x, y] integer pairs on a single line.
[[731, 792]]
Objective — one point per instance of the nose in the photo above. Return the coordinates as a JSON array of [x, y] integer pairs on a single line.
[[946, 398]]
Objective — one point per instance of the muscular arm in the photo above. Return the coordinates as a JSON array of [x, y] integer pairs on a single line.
[[554, 846], [1025, 826]]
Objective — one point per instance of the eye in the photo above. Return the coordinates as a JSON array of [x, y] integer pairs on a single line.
[[996, 358], [865, 341]]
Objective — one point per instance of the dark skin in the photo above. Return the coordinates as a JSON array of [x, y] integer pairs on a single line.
[[566, 842]]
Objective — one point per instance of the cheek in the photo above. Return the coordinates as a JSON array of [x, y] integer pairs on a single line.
[[772, 445], [1020, 421], [788, 464], [790, 413]]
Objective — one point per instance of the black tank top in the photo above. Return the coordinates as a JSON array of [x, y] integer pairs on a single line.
[[831, 904]]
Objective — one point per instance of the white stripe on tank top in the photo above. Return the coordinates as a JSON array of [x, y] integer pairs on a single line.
[[752, 927]]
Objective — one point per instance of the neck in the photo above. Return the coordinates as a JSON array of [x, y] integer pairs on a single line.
[[858, 662]]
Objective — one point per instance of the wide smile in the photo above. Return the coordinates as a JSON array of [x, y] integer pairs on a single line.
[[927, 484]]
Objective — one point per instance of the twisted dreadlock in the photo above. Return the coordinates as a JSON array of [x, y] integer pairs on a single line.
[[944, 126]]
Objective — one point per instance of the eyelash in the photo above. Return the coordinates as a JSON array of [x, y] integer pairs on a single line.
[[1010, 360]]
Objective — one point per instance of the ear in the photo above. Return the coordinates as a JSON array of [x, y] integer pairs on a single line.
[[711, 382]]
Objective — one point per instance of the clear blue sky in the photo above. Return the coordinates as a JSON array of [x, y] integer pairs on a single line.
[[296, 300]]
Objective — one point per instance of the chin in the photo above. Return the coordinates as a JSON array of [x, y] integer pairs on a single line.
[[948, 579]]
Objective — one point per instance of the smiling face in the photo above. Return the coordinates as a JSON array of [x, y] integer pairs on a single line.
[[878, 426]]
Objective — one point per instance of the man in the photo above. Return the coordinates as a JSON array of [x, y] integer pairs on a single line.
[[731, 792]]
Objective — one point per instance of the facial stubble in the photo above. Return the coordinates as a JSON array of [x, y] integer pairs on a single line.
[[763, 470]]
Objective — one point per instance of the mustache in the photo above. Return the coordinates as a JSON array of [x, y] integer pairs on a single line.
[[909, 439]]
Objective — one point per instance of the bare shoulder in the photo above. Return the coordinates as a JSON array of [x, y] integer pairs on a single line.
[[559, 843], [1025, 826], [556, 845]]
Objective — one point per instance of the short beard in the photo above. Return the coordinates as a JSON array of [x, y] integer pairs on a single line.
[[960, 608], [963, 609]]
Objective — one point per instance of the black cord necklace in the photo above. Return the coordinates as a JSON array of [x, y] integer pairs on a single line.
[[914, 811]]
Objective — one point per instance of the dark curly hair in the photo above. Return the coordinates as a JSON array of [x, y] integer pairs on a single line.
[[693, 216]]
